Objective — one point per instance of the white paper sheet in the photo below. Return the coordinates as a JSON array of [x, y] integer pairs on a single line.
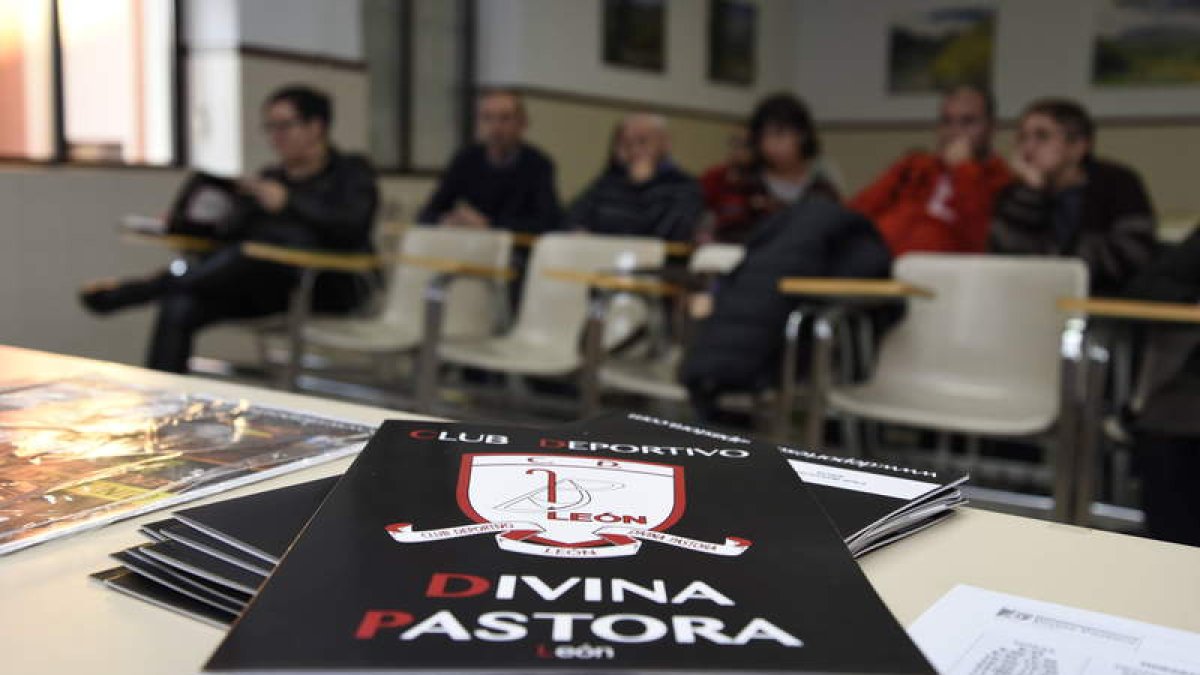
[[972, 631]]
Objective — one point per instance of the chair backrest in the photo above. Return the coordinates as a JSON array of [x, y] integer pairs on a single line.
[[992, 326], [716, 258], [553, 312], [472, 306]]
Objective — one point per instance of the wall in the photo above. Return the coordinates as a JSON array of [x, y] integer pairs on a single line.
[[58, 229], [552, 50], [557, 45], [577, 132], [1042, 48]]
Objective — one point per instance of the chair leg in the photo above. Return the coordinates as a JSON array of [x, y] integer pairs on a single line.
[[298, 309], [1067, 449], [820, 377], [785, 403], [852, 445], [428, 362], [593, 354], [1098, 358]]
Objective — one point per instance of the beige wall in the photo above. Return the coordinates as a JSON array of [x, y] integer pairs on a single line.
[[576, 134], [58, 228]]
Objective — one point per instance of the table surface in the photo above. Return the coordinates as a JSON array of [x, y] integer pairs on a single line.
[[54, 619]]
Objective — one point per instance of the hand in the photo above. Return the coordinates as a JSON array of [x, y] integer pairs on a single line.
[[271, 195], [1027, 173], [957, 151], [469, 216], [464, 215]]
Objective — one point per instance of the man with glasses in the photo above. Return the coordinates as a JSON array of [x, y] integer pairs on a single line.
[[499, 181], [1067, 202], [942, 201], [315, 197]]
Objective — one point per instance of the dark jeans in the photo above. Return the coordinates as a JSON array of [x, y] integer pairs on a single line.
[[223, 285], [1171, 486]]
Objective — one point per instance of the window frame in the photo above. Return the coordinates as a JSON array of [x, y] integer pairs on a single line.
[[59, 155], [467, 84]]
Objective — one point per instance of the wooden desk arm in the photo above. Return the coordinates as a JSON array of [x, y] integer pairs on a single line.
[[615, 283], [458, 268], [310, 259], [1137, 310], [852, 288]]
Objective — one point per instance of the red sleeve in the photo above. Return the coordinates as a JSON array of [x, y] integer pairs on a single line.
[[975, 186], [877, 197], [712, 182]]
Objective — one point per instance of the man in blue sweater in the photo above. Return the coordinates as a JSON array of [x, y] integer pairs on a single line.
[[499, 181]]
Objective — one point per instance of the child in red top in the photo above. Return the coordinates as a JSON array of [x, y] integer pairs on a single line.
[[942, 202]]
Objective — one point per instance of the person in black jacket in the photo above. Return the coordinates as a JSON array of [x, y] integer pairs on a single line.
[[738, 347], [641, 192], [1068, 203], [316, 197], [500, 181], [1166, 425]]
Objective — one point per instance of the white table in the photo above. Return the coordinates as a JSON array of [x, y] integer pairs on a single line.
[[54, 619]]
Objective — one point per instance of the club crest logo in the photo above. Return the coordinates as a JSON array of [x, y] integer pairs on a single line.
[[569, 507]]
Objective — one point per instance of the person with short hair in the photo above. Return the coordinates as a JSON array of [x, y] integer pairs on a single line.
[[942, 201], [642, 192], [315, 197], [783, 165], [500, 181], [1066, 202]]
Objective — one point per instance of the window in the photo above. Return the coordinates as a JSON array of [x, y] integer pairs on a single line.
[[419, 72], [27, 111], [94, 81]]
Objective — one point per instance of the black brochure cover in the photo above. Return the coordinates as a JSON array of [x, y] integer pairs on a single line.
[[472, 548]]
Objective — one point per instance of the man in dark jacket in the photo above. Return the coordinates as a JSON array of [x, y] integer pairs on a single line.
[[1167, 427], [316, 197], [500, 181], [1068, 203], [642, 192], [737, 348]]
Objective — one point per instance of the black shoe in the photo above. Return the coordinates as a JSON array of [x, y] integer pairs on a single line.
[[105, 300]]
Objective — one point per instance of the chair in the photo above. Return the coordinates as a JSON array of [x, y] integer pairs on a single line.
[[474, 308], [981, 357], [545, 339], [655, 375]]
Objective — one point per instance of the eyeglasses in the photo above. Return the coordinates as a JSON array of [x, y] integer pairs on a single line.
[[278, 126]]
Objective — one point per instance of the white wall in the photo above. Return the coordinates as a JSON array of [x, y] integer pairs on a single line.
[[1042, 48], [556, 45]]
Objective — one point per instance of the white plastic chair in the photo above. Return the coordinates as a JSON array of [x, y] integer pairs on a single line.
[[473, 309], [545, 339], [983, 357]]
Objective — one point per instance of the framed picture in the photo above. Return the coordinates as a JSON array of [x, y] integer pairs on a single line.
[[635, 34], [933, 50], [732, 39], [1146, 42]]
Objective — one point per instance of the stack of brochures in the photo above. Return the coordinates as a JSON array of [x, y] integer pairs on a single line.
[[624, 543], [82, 452]]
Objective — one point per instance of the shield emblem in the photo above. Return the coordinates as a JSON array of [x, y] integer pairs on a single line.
[[570, 498]]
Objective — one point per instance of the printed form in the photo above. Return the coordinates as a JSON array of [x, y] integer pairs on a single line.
[[972, 631]]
